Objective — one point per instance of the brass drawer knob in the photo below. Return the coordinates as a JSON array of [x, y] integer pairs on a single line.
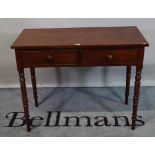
[[109, 57]]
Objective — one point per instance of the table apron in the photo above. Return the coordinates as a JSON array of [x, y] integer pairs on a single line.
[[78, 58]]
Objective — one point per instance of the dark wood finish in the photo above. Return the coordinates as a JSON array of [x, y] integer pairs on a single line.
[[50, 58], [128, 77], [112, 57], [63, 47], [72, 37], [136, 96], [33, 79], [24, 98], [139, 67]]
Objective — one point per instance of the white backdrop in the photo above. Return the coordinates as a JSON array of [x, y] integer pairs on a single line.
[[90, 76]]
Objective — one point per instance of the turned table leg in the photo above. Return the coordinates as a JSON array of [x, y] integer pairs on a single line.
[[136, 96], [33, 78], [24, 98], [128, 77]]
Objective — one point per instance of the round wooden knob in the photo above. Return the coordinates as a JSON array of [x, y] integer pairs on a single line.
[[50, 57], [109, 57]]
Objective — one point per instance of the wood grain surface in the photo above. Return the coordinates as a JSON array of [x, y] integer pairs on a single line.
[[83, 37]]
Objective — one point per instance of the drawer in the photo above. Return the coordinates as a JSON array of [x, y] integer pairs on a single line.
[[99, 57], [50, 58]]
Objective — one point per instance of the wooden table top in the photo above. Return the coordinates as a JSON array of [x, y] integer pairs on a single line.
[[83, 37]]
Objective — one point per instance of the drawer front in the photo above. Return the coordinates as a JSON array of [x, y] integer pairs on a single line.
[[111, 57], [50, 58]]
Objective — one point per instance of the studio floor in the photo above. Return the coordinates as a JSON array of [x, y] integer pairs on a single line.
[[91, 103]]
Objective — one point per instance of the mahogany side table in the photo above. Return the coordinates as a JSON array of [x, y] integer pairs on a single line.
[[91, 46]]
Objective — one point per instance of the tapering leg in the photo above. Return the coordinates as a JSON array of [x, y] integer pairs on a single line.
[[24, 99], [136, 96], [33, 78], [128, 77]]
